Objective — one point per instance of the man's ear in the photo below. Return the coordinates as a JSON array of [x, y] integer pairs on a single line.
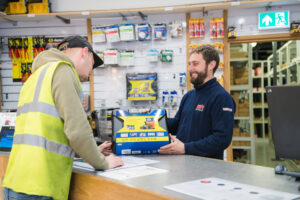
[[84, 51], [212, 65]]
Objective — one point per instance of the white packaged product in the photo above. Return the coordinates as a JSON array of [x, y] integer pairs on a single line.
[[127, 58], [112, 33], [127, 32], [98, 34], [111, 57]]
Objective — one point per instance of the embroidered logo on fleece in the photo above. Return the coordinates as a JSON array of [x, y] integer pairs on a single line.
[[200, 107], [227, 109]]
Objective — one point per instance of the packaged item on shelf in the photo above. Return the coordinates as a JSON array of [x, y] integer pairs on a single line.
[[152, 55], [197, 28], [220, 79], [182, 79], [175, 29], [112, 33], [53, 42], [98, 34], [38, 6], [295, 27], [232, 32], [127, 32], [213, 32], [202, 27], [167, 55], [16, 7], [143, 32], [165, 98], [141, 86], [111, 57], [173, 98], [127, 58], [160, 31], [191, 28], [220, 27]]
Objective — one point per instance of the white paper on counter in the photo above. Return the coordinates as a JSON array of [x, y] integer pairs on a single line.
[[132, 172], [220, 189], [129, 161]]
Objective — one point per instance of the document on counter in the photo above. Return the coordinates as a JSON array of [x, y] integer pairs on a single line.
[[220, 189], [129, 161], [132, 172]]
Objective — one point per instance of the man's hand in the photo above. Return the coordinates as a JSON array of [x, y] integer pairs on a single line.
[[114, 161], [105, 148], [176, 147]]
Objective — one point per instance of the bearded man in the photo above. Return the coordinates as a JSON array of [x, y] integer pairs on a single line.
[[204, 122]]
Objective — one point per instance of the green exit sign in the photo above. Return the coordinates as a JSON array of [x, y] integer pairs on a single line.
[[274, 20]]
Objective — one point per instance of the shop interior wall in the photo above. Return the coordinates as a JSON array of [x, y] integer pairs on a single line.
[[246, 19], [55, 28], [110, 81], [106, 87], [61, 6]]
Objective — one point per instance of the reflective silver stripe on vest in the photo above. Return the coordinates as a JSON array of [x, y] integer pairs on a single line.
[[38, 107], [40, 141], [35, 105]]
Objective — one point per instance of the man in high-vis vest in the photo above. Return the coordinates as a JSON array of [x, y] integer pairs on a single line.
[[51, 125]]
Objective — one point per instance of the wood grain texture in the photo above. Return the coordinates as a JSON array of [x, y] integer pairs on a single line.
[[264, 38], [87, 187], [227, 70], [89, 34], [188, 41]]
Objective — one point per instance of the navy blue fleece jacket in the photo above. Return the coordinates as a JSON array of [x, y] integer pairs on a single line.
[[204, 121]]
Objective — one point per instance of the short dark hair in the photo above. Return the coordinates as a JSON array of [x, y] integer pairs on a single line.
[[209, 54]]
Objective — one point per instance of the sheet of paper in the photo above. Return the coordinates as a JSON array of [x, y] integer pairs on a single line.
[[129, 161], [220, 189], [132, 172]]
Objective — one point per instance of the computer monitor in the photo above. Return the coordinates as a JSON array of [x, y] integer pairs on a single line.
[[284, 111], [6, 138]]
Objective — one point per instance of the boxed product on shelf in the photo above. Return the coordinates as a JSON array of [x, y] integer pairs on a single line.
[[245, 143], [241, 75], [111, 57], [245, 134], [160, 31], [176, 29], [235, 143], [143, 32], [112, 33], [126, 58], [236, 131], [98, 34], [238, 54], [127, 32]]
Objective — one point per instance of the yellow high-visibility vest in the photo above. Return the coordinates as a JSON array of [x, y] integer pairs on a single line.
[[41, 159]]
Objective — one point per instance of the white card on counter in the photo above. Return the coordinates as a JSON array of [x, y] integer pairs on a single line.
[[129, 161], [132, 172], [220, 189]]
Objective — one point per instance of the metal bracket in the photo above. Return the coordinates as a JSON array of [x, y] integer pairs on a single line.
[[66, 21], [124, 18], [204, 12], [268, 6], [143, 16], [14, 23]]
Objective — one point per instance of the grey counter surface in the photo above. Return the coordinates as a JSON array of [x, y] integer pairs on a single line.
[[183, 168]]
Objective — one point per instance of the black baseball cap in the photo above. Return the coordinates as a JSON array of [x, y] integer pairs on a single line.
[[78, 41]]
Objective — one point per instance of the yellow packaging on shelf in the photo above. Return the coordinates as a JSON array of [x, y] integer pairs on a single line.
[[16, 7], [16, 70], [37, 8]]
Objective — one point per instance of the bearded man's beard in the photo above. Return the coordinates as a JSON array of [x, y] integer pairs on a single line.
[[200, 78]]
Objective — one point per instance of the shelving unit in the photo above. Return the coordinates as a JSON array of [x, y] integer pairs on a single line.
[[260, 107], [241, 90]]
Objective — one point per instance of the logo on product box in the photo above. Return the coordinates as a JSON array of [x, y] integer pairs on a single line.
[[200, 107]]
